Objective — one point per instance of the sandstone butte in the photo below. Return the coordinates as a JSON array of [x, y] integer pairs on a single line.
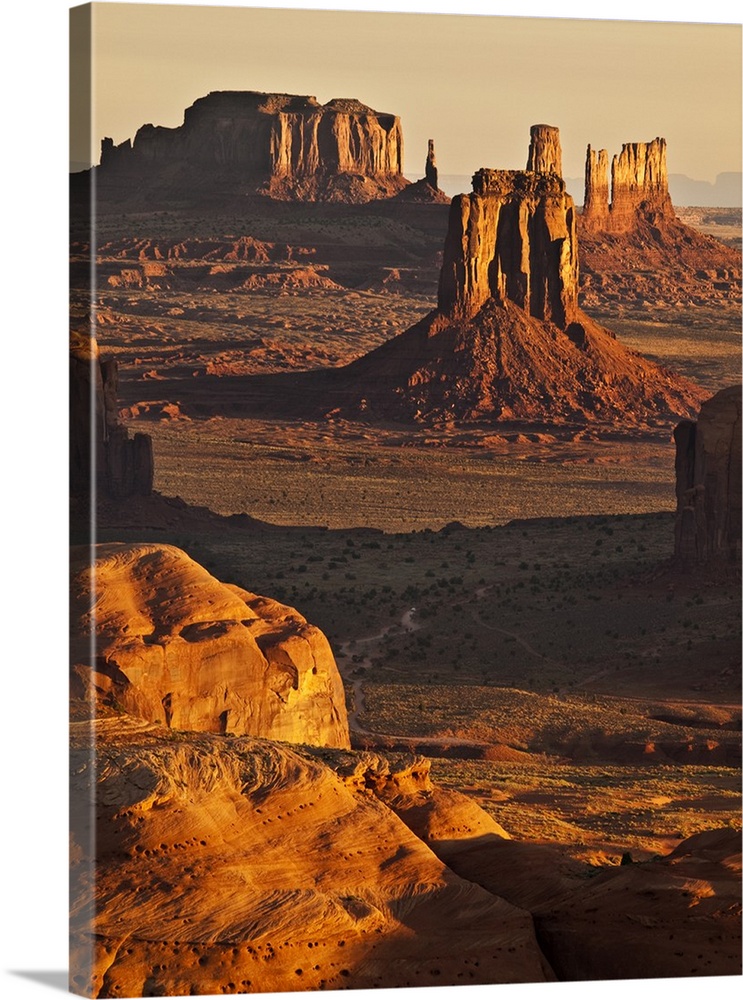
[[508, 341], [173, 645], [635, 250], [708, 486], [639, 187], [286, 146]]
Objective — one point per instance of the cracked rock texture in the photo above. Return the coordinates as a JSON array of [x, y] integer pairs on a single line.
[[246, 866]]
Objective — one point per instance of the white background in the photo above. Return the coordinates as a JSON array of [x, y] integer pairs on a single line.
[[33, 470]]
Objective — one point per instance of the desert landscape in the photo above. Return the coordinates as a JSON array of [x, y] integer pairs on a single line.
[[408, 650]]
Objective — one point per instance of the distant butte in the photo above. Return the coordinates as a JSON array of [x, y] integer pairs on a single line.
[[639, 187], [635, 250], [286, 146]]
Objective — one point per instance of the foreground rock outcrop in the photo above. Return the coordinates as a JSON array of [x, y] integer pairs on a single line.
[[229, 866], [175, 646], [708, 485], [214, 865], [508, 340], [283, 145], [103, 457], [677, 915]]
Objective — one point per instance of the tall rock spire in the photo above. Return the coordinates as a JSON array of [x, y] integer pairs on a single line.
[[545, 154], [432, 174]]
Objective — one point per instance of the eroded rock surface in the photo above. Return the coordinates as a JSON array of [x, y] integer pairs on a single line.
[[545, 152], [634, 251], [639, 187], [283, 145], [228, 866], [175, 646], [708, 484], [674, 916]]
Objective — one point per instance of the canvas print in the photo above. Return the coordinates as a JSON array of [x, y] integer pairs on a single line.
[[405, 475]]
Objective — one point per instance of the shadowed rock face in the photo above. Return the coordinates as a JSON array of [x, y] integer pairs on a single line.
[[432, 174], [639, 187], [100, 445], [708, 484], [287, 146], [175, 646]]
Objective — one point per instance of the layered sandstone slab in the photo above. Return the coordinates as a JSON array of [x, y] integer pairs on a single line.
[[639, 187], [173, 645], [676, 915], [284, 145], [708, 484], [228, 866]]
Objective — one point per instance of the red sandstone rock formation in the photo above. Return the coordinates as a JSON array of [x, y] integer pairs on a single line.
[[246, 866], [512, 240], [432, 174], [677, 915], [508, 341], [545, 152], [287, 146], [102, 455], [175, 646], [639, 187], [708, 485]]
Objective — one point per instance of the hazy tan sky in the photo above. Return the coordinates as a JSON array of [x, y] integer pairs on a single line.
[[473, 83]]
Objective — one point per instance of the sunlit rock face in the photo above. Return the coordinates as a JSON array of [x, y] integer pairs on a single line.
[[246, 866], [159, 637], [639, 188], [708, 485], [284, 145], [512, 240]]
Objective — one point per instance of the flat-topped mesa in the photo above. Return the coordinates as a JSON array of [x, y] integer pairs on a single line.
[[286, 145], [513, 240], [545, 153], [639, 187]]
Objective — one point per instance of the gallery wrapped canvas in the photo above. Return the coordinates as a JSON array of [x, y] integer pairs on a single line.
[[405, 492]]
